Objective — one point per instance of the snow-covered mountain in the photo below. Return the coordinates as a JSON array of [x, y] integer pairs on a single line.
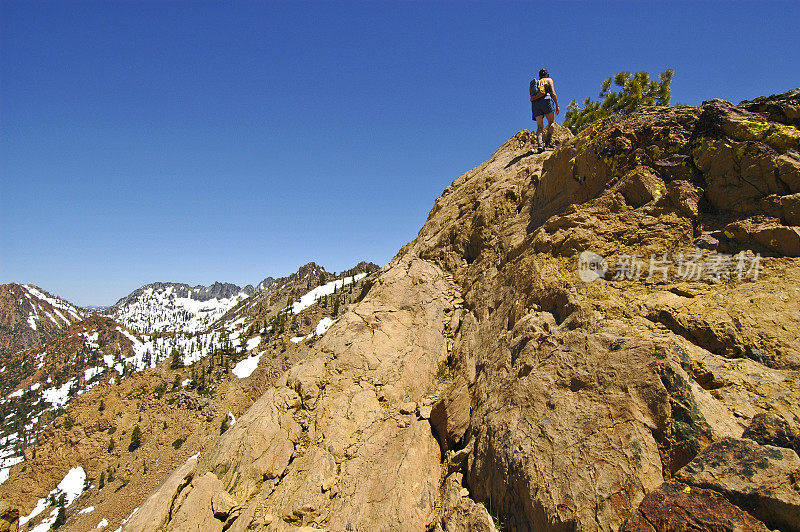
[[161, 307]]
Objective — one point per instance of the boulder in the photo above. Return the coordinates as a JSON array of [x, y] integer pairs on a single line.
[[766, 233], [676, 507], [450, 415], [641, 185], [685, 197], [156, 510], [769, 429], [783, 108], [193, 510], [760, 479], [223, 505], [306, 378], [459, 513], [674, 167]]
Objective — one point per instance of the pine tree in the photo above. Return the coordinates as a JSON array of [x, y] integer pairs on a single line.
[[637, 90], [61, 517], [136, 439], [176, 359]]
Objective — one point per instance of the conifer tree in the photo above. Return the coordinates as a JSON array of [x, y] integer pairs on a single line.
[[61, 516], [637, 90], [136, 439]]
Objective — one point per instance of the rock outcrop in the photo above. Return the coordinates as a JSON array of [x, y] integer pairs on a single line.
[[9, 517], [483, 379], [676, 506], [761, 479]]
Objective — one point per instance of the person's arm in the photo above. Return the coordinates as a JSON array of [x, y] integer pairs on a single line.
[[553, 94]]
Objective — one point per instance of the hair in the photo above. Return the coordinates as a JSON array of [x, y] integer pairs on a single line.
[[543, 73]]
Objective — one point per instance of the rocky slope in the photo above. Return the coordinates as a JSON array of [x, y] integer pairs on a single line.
[[495, 374], [29, 316]]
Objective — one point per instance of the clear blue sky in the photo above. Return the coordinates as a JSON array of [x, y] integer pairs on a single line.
[[201, 141]]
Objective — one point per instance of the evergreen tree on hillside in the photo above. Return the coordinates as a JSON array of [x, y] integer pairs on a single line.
[[176, 359], [61, 516], [136, 439], [637, 90]]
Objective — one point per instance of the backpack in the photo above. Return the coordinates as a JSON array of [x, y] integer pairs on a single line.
[[538, 89]]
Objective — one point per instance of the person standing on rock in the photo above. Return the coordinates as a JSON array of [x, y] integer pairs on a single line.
[[544, 103]]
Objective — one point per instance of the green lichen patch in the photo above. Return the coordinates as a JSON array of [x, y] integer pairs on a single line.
[[779, 136]]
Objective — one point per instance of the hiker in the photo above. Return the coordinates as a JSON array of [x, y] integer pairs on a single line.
[[544, 103]]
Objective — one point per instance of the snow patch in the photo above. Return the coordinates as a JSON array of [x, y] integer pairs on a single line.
[[323, 326], [65, 320], [58, 396], [252, 343], [58, 303], [246, 367], [73, 484], [103, 523], [91, 373], [71, 487], [321, 291], [91, 339]]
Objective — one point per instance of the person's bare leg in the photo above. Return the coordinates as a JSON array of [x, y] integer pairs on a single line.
[[539, 128], [551, 117]]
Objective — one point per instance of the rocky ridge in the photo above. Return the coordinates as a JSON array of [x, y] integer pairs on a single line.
[[29, 316], [481, 381]]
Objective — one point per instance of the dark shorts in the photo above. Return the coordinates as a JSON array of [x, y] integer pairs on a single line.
[[542, 106]]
